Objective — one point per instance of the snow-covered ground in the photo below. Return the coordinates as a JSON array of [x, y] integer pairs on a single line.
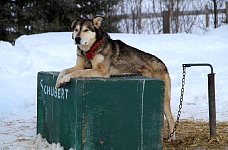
[[19, 65]]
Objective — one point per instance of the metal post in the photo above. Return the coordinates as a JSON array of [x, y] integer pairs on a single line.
[[211, 101], [211, 97]]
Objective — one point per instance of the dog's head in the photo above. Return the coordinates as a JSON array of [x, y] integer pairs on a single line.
[[86, 32]]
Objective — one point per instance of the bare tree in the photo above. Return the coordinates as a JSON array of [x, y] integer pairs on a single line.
[[133, 22], [215, 14], [146, 16]]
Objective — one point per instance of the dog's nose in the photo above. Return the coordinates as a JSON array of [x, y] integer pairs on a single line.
[[77, 40]]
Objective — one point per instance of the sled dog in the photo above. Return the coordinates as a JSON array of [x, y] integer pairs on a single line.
[[100, 56]]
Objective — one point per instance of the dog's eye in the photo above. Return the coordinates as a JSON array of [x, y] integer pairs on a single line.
[[76, 30], [86, 30]]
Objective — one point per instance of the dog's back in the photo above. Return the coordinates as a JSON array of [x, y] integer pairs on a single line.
[[127, 59]]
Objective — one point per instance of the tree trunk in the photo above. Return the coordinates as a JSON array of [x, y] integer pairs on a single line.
[[215, 14]]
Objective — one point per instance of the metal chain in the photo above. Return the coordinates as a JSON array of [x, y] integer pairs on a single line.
[[180, 105]]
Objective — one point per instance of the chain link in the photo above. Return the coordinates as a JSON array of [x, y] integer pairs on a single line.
[[180, 105]]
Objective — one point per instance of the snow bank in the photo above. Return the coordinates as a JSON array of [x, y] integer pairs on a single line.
[[19, 65]]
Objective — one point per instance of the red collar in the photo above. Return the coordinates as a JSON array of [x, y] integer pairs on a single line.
[[90, 52]]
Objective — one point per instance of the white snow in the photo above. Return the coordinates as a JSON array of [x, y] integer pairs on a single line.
[[19, 65]]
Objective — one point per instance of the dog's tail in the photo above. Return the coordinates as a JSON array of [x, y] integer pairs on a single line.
[[167, 107]]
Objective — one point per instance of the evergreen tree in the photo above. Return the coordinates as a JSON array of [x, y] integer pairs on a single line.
[[18, 17], [8, 24]]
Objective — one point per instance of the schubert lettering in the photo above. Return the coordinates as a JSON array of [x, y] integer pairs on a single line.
[[60, 93]]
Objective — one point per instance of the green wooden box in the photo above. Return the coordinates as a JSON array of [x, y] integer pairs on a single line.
[[117, 113]]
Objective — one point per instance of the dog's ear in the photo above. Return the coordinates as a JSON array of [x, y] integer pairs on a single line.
[[97, 21], [73, 24]]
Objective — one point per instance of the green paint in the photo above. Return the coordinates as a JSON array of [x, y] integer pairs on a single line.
[[119, 113]]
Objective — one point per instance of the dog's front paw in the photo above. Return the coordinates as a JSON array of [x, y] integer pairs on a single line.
[[61, 75], [58, 84], [62, 81]]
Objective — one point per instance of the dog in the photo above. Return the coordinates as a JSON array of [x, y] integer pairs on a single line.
[[100, 56]]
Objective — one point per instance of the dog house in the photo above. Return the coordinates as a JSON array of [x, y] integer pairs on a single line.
[[117, 113]]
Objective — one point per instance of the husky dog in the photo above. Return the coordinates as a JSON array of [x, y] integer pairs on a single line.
[[100, 56]]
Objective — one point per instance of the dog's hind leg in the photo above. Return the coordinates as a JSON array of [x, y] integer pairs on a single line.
[[167, 108]]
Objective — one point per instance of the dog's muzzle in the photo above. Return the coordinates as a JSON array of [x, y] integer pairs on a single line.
[[78, 40]]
